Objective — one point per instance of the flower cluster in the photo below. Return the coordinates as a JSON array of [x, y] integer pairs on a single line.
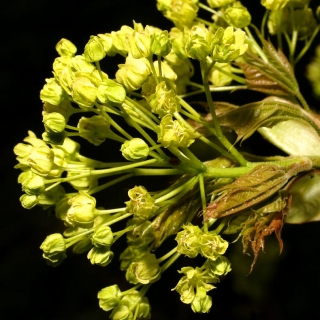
[[148, 110]]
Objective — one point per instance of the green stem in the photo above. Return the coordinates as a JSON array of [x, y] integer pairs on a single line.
[[241, 160], [186, 187], [167, 255], [109, 211], [99, 69], [153, 69], [203, 200], [109, 184], [170, 262], [231, 75]]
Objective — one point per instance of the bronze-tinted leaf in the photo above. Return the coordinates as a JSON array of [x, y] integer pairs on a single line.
[[266, 113], [257, 185], [274, 77]]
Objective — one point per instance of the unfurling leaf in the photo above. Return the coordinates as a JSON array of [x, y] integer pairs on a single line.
[[247, 119], [274, 77], [255, 225], [257, 185]]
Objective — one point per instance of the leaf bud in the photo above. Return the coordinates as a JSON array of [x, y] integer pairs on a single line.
[[112, 92], [66, 48], [135, 149], [109, 297], [160, 43], [172, 134], [237, 15], [52, 92], [54, 249], [94, 50], [133, 73], [94, 129], [54, 122], [141, 204], [100, 256], [164, 101], [145, 270], [219, 3], [102, 237], [81, 211]]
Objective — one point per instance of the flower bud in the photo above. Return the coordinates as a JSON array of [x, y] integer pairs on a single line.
[[54, 138], [52, 92], [28, 201], [212, 245], [133, 73], [109, 297], [102, 237], [66, 48], [84, 183], [94, 50], [51, 197], [219, 267], [135, 149], [141, 204], [274, 4], [145, 270], [130, 306], [199, 42], [106, 40], [54, 249], [172, 134], [94, 129], [139, 44], [80, 64], [84, 90], [230, 46], [100, 256], [132, 254], [32, 184], [182, 13], [202, 302], [54, 122], [219, 3], [70, 148], [119, 39], [82, 246], [160, 43], [188, 240], [112, 92], [81, 211], [64, 108], [218, 78], [164, 101], [40, 160], [237, 15], [178, 39], [62, 208]]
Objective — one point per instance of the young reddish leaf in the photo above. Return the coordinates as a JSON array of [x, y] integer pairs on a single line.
[[258, 184], [247, 119]]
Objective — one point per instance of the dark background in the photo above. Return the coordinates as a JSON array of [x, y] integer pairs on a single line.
[[280, 287]]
